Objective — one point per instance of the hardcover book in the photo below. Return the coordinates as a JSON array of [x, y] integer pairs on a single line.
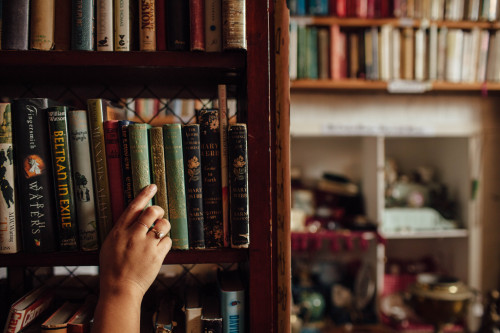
[[61, 168], [82, 25], [62, 25], [174, 165], [234, 24], [122, 25], [104, 25], [194, 189], [197, 24], [161, 31], [15, 23], [9, 227], [97, 114], [34, 174], [139, 156], [163, 317], [237, 138], [80, 322], [232, 301], [81, 162], [213, 25], [147, 25], [42, 13], [192, 309], [157, 154], [58, 321], [211, 317], [211, 175], [177, 25], [128, 189], [113, 161], [223, 122]]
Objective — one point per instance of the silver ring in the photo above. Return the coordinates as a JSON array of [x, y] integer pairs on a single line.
[[158, 235], [144, 224]]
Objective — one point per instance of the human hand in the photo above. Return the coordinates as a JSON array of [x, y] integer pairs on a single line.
[[132, 253]]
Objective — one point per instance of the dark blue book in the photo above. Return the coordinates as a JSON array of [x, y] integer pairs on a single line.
[[317, 7], [125, 159]]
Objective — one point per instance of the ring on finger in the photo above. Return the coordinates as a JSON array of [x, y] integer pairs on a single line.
[[144, 224], [158, 234]]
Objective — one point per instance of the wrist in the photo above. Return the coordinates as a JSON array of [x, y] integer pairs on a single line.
[[121, 292]]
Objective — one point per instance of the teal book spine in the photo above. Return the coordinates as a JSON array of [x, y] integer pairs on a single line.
[[139, 156], [81, 158], [82, 24], [174, 165], [312, 53], [61, 168]]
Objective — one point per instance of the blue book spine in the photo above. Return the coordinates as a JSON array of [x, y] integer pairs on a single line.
[[301, 7], [318, 7], [82, 24], [125, 160], [233, 311]]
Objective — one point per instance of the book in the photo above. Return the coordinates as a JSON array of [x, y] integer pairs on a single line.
[[232, 301], [29, 307], [62, 25], [312, 52], [293, 33], [139, 157], [234, 24], [1, 6], [9, 226], [79, 142], [338, 61], [122, 25], [80, 322], [224, 169], [238, 159], [211, 175], [163, 316], [396, 54], [442, 45], [42, 16], [420, 55], [385, 52], [33, 164], [177, 18], [483, 56], [408, 56], [58, 320], [454, 54], [97, 114], [15, 23], [211, 317], [433, 52], [62, 171], [128, 189], [213, 25], [82, 25], [161, 32], [147, 25], [174, 168], [301, 51], [192, 310], [157, 155], [111, 130], [194, 187], [197, 25], [104, 25], [317, 7], [323, 53]]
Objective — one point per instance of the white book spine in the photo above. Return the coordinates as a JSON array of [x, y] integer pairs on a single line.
[[419, 54], [454, 55], [433, 52], [441, 62], [475, 50], [213, 25], [483, 56], [467, 57], [385, 52], [104, 25], [122, 25], [293, 51], [473, 10], [396, 54]]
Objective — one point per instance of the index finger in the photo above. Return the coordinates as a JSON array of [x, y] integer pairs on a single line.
[[135, 208]]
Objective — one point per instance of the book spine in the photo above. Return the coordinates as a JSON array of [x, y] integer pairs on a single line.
[[104, 25], [99, 167], [42, 14], [113, 162], [174, 167], [17, 320], [122, 25], [139, 157], [1, 9], [62, 25], [9, 229], [61, 168], [128, 189], [158, 168], [15, 24], [238, 157], [177, 25], [223, 122], [211, 175], [197, 24], [82, 179], [194, 189], [233, 310], [234, 24], [82, 20], [161, 32], [213, 25], [147, 25], [34, 179]]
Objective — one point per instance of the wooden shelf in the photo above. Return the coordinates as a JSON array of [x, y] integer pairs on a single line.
[[92, 258], [396, 22]]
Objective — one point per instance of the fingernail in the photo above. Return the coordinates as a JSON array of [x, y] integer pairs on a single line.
[[152, 188]]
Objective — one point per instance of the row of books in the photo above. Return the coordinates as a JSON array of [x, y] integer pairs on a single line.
[[123, 25], [212, 307], [452, 10], [390, 53], [77, 170]]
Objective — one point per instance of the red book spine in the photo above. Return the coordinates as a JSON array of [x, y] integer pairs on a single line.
[[341, 8], [161, 33], [370, 10], [197, 24], [385, 8], [112, 143]]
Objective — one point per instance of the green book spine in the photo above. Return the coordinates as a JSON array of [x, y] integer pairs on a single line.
[[82, 20], [61, 167], [158, 168], [211, 173], [174, 163], [302, 51], [81, 164], [312, 53], [96, 113], [139, 157]]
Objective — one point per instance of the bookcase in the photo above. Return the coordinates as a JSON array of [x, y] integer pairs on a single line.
[[250, 78]]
